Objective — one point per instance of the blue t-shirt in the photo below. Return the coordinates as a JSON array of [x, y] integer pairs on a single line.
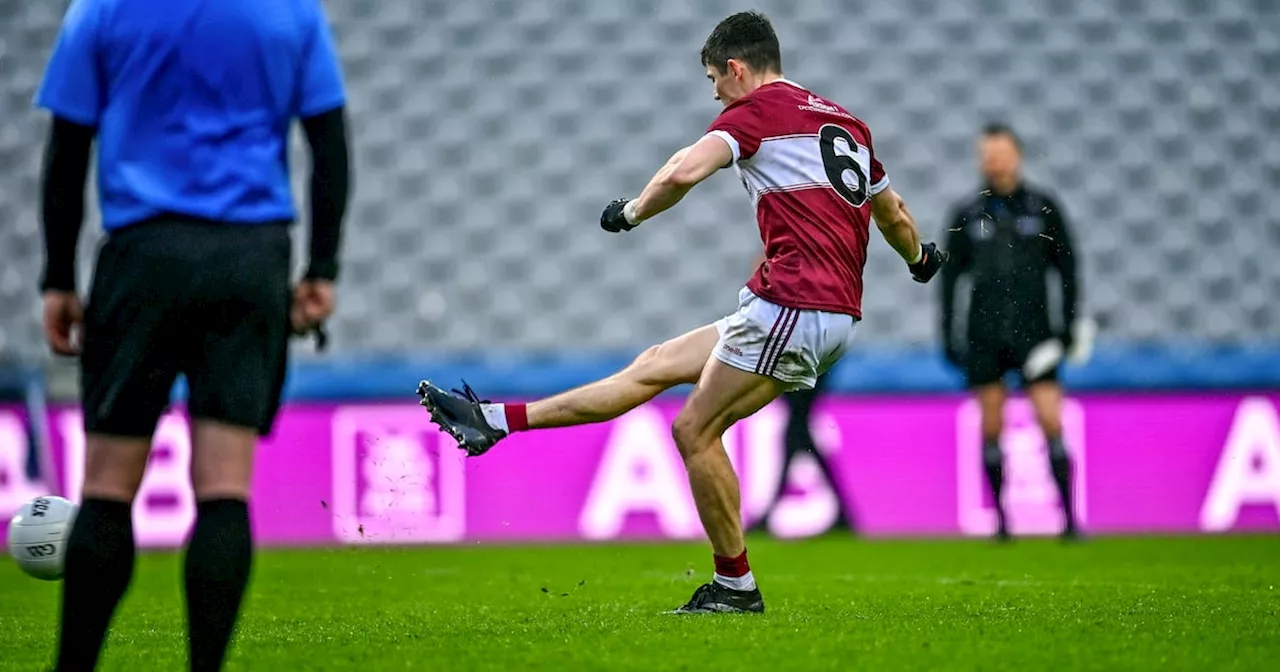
[[193, 101]]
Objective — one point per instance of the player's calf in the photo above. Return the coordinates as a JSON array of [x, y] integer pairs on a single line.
[[724, 395], [659, 368], [478, 424], [100, 550]]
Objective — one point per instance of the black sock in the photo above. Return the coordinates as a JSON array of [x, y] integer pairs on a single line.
[[1060, 464], [99, 566], [217, 571], [993, 462]]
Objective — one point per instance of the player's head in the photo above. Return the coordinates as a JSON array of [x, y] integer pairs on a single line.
[[740, 54], [1000, 155]]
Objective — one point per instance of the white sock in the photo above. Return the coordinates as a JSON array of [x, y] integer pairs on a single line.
[[745, 582], [496, 416]]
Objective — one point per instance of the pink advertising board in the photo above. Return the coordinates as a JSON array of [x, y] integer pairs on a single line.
[[910, 466]]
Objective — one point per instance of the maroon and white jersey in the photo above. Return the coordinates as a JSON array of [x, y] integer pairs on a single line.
[[810, 168]]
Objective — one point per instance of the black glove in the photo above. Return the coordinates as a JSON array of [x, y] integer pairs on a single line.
[[930, 262], [612, 219]]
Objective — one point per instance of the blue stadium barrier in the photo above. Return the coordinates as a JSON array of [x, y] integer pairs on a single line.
[[1129, 367], [876, 371]]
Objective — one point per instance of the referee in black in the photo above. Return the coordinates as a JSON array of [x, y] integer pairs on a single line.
[[190, 104], [1007, 239]]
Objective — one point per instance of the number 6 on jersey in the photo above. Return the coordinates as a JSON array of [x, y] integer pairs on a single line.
[[842, 155]]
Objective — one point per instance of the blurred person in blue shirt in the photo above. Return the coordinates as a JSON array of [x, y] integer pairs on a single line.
[[190, 104]]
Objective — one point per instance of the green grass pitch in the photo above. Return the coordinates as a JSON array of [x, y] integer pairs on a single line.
[[833, 603]]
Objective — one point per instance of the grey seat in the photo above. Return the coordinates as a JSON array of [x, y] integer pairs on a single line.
[[489, 136]]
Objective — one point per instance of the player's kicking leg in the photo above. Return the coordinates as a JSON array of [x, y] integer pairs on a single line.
[[723, 396], [759, 351], [477, 425]]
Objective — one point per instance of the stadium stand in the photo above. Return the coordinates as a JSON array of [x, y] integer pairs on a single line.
[[473, 248]]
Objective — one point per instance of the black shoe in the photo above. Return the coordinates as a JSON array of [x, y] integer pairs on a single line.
[[1002, 533], [459, 414], [713, 598], [1071, 533]]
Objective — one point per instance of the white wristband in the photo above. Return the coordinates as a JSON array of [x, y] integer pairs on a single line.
[[629, 212], [919, 256]]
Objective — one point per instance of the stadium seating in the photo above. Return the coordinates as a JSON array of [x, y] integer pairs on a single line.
[[490, 134]]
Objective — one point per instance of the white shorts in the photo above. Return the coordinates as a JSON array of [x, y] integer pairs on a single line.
[[790, 345]]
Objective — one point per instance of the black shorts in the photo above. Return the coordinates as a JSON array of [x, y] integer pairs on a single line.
[[204, 300], [989, 362]]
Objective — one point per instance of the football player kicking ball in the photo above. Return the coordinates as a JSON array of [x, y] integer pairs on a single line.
[[810, 169]]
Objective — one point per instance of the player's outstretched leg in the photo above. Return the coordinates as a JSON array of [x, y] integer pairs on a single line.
[[1046, 397], [477, 424], [723, 396]]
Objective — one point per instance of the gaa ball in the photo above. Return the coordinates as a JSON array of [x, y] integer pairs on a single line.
[[38, 536]]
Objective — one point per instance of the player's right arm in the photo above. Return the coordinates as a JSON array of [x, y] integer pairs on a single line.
[[685, 170], [681, 173], [899, 229], [732, 137]]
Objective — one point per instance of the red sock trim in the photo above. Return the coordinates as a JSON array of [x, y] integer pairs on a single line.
[[517, 417], [732, 567]]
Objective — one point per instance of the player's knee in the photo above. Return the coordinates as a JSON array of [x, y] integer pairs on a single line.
[[992, 424], [221, 481], [689, 433], [992, 406], [1051, 424], [1050, 421], [96, 486], [114, 467], [647, 359], [683, 432], [222, 460], [659, 366]]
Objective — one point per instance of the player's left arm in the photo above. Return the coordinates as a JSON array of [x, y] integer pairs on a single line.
[[73, 91], [1062, 257], [682, 172], [898, 227]]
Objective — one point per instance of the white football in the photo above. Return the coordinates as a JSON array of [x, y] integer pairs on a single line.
[[38, 536]]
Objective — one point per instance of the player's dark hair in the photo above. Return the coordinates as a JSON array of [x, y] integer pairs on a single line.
[[1000, 128], [746, 37]]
